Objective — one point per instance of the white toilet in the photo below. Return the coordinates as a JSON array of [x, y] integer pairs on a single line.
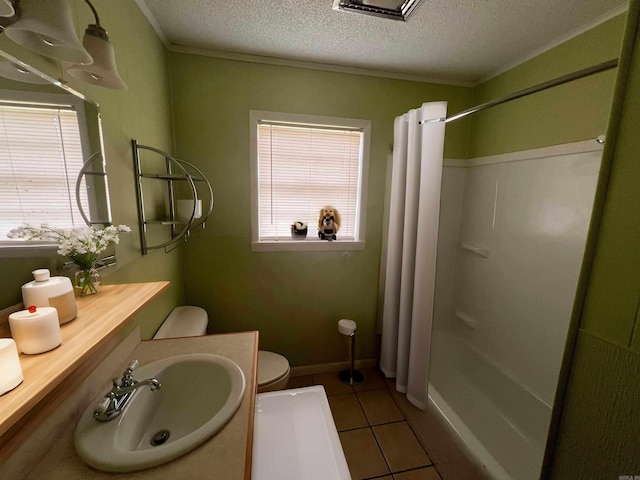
[[190, 321]]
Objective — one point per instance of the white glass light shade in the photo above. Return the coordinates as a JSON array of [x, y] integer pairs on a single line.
[[10, 369], [6, 8], [46, 27], [16, 72], [103, 71]]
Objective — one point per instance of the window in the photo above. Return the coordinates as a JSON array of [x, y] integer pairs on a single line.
[[299, 164], [40, 157]]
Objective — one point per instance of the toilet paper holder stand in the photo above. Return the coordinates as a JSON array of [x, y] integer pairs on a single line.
[[351, 376]]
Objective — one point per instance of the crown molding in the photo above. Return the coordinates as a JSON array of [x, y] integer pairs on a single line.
[[243, 57]]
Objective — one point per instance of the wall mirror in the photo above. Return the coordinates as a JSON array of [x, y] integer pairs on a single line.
[[52, 166]]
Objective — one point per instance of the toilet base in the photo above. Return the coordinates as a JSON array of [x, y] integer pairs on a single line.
[[355, 379], [273, 371], [280, 384]]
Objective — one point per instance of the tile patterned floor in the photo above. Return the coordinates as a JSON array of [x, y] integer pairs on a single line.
[[377, 441]]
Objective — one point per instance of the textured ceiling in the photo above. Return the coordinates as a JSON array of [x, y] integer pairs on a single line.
[[459, 41]]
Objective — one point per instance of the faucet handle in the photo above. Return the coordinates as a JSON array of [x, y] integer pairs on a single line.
[[132, 366], [127, 376], [102, 408]]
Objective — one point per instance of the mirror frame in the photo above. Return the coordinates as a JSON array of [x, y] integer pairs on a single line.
[[21, 249]]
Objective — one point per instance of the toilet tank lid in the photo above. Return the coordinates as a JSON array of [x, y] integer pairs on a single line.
[[184, 321], [271, 367]]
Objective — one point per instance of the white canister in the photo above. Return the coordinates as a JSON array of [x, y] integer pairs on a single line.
[[36, 330], [47, 291], [10, 369], [186, 208]]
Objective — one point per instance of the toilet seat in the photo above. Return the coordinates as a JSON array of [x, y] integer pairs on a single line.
[[273, 371], [184, 321], [187, 321]]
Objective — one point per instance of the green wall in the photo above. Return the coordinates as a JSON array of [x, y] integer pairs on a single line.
[[599, 425], [288, 296], [294, 299], [142, 112], [567, 113]]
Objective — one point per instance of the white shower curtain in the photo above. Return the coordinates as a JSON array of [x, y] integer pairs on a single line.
[[411, 249]]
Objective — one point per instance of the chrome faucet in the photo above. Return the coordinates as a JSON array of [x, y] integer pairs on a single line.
[[152, 382], [116, 400]]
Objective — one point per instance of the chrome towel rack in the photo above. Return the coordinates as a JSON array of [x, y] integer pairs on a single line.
[[173, 171]]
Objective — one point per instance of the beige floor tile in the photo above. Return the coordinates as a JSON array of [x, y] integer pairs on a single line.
[[440, 445], [379, 407], [347, 413], [301, 381], [363, 455], [400, 447], [429, 473], [331, 383], [373, 380]]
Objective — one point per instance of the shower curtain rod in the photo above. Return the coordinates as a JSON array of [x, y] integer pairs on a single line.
[[601, 67]]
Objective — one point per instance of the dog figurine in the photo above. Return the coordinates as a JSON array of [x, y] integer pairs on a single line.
[[328, 223]]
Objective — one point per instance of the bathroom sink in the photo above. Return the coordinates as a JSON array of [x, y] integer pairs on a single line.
[[199, 395]]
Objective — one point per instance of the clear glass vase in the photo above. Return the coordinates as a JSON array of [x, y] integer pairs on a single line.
[[87, 281]]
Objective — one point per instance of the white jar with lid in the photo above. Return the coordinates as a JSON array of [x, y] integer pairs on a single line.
[[47, 291], [36, 330], [11, 371]]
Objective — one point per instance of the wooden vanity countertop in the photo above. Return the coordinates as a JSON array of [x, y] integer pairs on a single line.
[[99, 318]]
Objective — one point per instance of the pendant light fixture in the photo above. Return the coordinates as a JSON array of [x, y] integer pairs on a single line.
[[8, 14], [103, 71], [7, 9], [46, 27]]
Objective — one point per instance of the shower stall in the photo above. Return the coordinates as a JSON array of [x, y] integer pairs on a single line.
[[479, 341], [512, 235]]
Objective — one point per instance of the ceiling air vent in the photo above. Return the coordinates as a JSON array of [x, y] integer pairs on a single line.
[[393, 9]]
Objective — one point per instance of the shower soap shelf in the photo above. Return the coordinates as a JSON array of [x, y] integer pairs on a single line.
[[173, 172], [480, 251], [468, 320]]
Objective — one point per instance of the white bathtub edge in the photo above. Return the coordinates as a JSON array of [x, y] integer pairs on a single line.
[[467, 439]]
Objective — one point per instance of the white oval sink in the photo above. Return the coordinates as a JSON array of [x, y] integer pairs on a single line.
[[199, 395]]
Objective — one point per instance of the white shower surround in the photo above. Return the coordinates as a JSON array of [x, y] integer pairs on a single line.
[[512, 234]]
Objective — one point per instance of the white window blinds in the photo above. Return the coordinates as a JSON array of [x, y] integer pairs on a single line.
[[302, 168], [40, 157]]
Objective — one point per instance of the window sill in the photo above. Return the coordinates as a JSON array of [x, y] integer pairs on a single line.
[[22, 249], [306, 245]]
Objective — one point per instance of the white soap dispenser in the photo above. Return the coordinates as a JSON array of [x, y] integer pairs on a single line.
[[47, 291]]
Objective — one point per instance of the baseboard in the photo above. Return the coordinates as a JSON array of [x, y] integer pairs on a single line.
[[331, 367]]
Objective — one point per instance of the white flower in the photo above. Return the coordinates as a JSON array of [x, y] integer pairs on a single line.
[[82, 245]]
